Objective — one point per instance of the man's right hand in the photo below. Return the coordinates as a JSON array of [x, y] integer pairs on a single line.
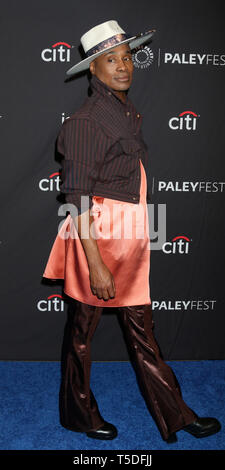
[[101, 281]]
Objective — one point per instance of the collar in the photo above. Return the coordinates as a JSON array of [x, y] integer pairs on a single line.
[[101, 87]]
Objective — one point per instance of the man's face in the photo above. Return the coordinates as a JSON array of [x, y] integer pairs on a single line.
[[115, 68]]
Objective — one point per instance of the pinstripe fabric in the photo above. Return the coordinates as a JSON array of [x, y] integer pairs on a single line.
[[101, 144]]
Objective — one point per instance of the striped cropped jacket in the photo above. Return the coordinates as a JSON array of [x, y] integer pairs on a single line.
[[101, 144]]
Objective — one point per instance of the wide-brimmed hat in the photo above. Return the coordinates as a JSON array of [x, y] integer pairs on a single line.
[[102, 38]]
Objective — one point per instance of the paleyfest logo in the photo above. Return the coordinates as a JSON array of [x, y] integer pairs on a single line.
[[193, 58], [191, 186], [51, 183], [143, 57], [184, 305], [54, 303], [187, 120], [60, 51], [178, 245]]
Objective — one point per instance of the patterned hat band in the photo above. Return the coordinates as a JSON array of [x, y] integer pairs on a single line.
[[117, 38]]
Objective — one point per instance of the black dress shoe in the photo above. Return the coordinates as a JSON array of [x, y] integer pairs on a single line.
[[107, 431], [172, 438], [203, 427]]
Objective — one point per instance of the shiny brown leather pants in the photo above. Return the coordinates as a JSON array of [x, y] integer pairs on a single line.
[[158, 384]]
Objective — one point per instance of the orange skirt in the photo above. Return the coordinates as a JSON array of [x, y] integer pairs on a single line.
[[122, 234]]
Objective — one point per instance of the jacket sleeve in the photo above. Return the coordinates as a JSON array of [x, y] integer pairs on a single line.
[[145, 158], [83, 144]]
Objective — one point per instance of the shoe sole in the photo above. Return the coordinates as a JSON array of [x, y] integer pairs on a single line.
[[205, 434], [112, 436], [102, 437]]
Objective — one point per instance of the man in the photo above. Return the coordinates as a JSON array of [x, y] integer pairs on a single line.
[[104, 160]]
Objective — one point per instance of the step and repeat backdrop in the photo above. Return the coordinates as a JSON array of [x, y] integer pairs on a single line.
[[179, 88]]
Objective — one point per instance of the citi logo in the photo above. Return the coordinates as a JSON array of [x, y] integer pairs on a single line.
[[64, 117], [51, 183], [54, 303], [185, 121], [179, 244], [60, 51]]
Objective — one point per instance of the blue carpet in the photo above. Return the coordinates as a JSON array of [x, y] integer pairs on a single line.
[[29, 406]]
